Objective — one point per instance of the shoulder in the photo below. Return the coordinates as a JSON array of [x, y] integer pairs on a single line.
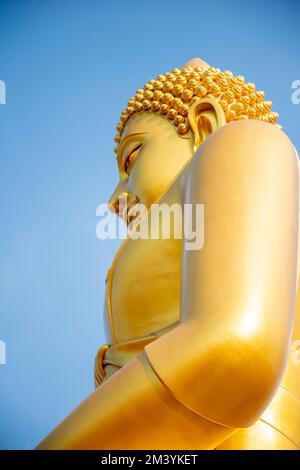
[[253, 135], [241, 156], [255, 142]]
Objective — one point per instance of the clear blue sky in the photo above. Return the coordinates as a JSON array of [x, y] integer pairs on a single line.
[[69, 68]]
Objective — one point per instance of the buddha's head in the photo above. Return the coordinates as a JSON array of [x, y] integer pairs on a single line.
[[170, 118]]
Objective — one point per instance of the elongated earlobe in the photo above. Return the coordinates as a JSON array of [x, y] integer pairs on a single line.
[[205, 116]]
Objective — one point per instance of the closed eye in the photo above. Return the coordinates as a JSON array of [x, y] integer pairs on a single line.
[[131, 157]]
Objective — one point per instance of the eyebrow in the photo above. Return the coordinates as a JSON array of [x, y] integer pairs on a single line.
[[123, 143]]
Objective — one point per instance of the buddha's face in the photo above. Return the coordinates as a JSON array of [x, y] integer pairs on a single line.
[[150, 155]]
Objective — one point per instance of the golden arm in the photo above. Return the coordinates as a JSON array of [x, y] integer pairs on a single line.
[[226, 358]]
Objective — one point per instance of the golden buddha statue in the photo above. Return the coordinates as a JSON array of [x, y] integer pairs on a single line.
[[202, 344]]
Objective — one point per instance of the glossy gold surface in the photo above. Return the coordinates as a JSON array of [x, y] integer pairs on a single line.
[[199, 347]]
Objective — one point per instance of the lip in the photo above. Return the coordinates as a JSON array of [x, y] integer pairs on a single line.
[[130, 218]]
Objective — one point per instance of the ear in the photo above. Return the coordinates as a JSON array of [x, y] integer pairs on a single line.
[[205, 116]]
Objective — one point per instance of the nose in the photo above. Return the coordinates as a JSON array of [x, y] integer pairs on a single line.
[[120, 197], [114, 200]]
